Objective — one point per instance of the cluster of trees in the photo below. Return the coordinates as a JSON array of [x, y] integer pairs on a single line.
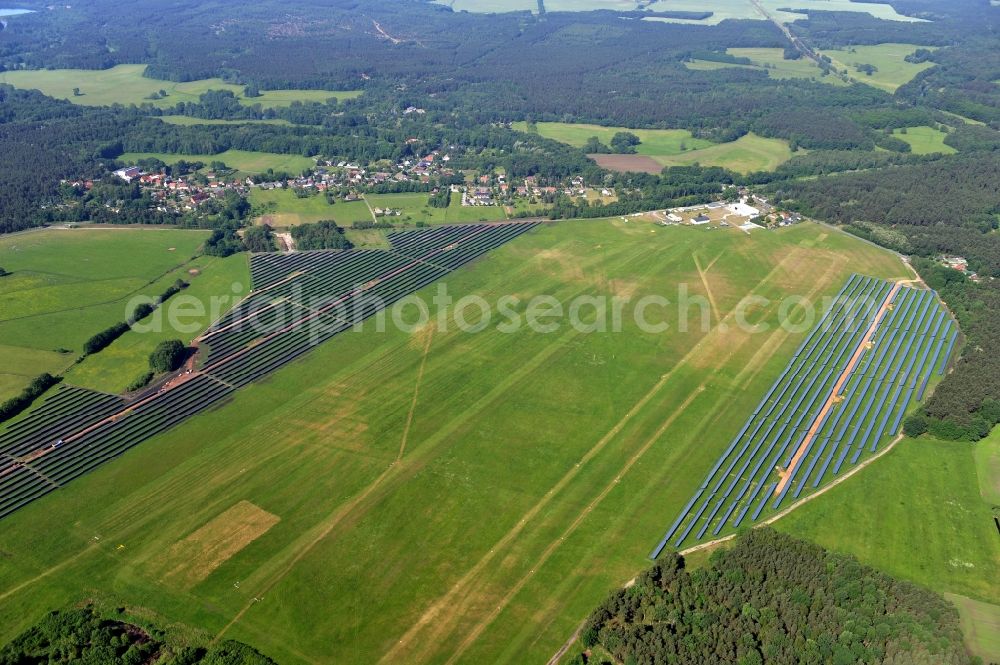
[[440, 200], [321, 235], [87, 636], [26, 398], [774, 599], [167, 356]]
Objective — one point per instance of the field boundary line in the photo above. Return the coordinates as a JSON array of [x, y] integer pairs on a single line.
[[557, 656]]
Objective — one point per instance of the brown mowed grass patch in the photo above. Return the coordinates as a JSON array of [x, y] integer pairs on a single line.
[[628, 163], [193, 559]]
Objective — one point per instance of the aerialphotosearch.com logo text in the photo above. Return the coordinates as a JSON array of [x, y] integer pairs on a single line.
[[361, 310]]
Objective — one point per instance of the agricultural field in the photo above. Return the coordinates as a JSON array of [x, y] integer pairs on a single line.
[[125, 84], [746, 154], [925, 140], [215, 285], [187, 120], [654, 141], [672, 147], [980, 625], [70, 284], [844, 393], [773, 62], [522, 527], [244, 161], [918, 515], [413, 207], [892, 69], [987, 455], [281, 208]]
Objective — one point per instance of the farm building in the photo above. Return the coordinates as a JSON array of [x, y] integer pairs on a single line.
[[701, 219]]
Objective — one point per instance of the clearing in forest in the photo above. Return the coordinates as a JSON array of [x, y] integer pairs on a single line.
[[125, 84]]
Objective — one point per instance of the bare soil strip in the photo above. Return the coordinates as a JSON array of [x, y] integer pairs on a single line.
[[831, 400]]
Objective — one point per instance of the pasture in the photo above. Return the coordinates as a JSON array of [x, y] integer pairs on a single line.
[[215, 284], [987, 455], [925, 140], [244, 161], [70, 284], [672, 147], [889, 60], [772, 61], [744, 155], [281, 208], [917, 514], [654, 141], [125, 84], [980, 625], [531, 470]]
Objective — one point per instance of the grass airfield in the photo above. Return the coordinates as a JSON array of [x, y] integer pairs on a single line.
[[443, 496]]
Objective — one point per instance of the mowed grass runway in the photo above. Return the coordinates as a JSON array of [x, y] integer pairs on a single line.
[[440, 496]]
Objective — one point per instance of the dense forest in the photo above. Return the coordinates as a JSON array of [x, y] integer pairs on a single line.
[[88, 636], [773, 599]]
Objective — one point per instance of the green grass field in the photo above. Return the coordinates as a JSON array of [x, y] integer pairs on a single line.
[[125, 84], [745, 154], [925, 140], [654, 141], [70, 284], [980, 625], [213, 290], [773, 62], [186, 120], [987, 456], [242, 160], [893, 70], [917, 514], [281, 208], [441, 495]]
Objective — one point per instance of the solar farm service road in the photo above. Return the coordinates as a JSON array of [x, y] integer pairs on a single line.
[[835, 393]]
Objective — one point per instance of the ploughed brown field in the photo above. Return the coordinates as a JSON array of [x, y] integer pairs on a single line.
[[626, 163]]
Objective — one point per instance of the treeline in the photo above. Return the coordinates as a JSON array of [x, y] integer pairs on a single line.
[[100, 341], [34, 390], [773, 599], [85, 635]]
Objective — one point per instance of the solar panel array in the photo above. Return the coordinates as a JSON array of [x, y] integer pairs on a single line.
[[913, 337], [299, 300]]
